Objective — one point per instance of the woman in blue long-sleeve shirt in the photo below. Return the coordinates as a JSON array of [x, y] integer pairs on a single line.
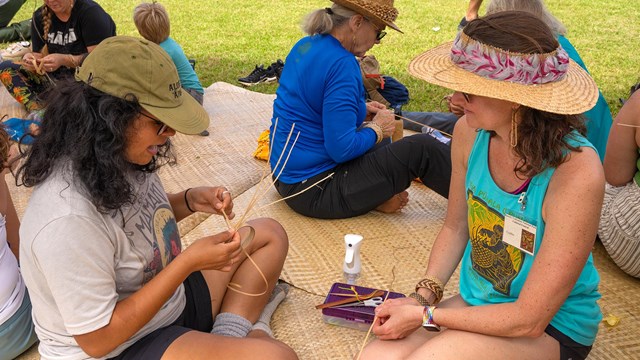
[[322, 98]]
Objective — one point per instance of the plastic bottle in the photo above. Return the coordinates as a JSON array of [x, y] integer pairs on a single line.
[[352, 266]]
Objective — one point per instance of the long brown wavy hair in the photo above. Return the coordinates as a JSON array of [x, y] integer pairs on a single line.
[[542, 135]]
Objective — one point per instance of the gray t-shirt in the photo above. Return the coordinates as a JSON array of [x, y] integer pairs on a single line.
[[78, 263]]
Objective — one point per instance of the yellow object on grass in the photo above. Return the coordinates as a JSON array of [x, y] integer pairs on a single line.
[[262, 151]]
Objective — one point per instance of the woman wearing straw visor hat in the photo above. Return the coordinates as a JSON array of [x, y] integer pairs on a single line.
[[526, 192], [322, 98], [101, 253]]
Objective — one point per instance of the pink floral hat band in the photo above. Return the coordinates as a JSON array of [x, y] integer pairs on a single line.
[[497, 64]]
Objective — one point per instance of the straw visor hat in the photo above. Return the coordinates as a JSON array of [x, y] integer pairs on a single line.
[[573, 92], [380, 10]]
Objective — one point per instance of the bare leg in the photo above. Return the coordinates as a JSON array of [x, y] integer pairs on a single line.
[[268, 249], [395, 204], [472, 10], [454, 344], [199, 345]]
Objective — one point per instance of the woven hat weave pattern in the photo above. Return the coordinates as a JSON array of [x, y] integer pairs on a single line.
[[122, 66], [573, 93], [380, 10]]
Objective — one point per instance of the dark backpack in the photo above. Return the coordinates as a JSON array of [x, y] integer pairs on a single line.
[[394, 91]]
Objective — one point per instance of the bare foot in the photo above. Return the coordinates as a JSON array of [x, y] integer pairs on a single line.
[[395, 204], [34, 129]]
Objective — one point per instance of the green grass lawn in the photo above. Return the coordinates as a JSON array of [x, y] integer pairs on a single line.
[[228, 38]]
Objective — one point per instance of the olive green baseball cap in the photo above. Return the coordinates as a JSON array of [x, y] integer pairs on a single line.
[[122, 66]]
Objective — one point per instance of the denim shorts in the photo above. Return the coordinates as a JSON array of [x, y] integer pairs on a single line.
[[17, 334]]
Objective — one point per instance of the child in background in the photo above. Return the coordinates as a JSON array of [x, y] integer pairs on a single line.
[[152, 22]]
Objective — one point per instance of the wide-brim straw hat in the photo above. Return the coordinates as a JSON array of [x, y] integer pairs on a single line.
[[575, 93], [381, 11]]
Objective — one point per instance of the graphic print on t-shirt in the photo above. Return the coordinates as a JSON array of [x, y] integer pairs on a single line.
[[60, 38], [497, 262], [152, 229]]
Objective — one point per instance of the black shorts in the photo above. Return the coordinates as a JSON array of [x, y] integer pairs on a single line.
[[195, 316], [569, 349]]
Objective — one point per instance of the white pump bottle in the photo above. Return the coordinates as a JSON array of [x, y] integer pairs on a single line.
[[352, 266]]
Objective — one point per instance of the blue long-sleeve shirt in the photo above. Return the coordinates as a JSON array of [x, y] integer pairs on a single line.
[[321, 92]]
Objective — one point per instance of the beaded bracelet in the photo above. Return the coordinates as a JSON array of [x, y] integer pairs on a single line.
[[186, 202], [433, 284], [419, 298], [377, 129]]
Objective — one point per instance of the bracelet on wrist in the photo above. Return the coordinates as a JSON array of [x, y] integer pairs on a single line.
[[186, 201], [421, 299], [427, 319], [434, 285], [377, 129]]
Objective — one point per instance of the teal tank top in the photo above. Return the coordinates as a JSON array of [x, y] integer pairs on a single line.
[[493, 271]]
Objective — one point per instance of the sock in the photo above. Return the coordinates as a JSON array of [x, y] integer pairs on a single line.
[[264, 322], [229, 324]]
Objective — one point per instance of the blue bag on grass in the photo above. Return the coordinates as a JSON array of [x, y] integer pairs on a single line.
[[394, 91], [18, 128]]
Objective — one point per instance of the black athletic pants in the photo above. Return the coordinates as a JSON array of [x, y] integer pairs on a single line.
[[362, 184]]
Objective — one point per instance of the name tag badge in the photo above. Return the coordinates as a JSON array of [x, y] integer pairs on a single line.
[[519, 233]]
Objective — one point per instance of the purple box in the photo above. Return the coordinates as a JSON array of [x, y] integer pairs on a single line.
[[357, 317]]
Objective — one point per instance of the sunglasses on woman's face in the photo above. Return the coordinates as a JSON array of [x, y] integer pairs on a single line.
[[379, 32], [163, 126], [467, 97]]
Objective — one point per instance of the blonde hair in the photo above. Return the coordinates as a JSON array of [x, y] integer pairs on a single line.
[[152, 21], [322, 21], [534, 7]]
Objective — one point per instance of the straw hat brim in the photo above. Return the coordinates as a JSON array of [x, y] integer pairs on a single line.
[[357, 7], [574, 94]]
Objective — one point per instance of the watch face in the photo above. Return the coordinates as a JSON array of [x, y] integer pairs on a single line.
[[431, 327]]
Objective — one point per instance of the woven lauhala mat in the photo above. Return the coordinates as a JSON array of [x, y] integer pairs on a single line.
[[394, 251], [621, 298], [224, 158]]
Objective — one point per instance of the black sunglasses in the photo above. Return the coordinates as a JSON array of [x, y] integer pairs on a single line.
[[379, 33], [163, 126]]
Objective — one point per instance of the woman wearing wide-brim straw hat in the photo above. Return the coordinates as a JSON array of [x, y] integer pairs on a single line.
[[526, 192], [322, 97]]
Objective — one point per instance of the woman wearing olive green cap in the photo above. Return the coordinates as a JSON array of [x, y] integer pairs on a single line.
[[101, 253]]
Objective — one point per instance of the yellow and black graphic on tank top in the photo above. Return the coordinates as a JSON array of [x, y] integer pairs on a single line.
[[497, 262]]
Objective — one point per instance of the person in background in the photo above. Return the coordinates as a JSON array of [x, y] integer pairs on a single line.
[[16, 327], [322, 98], [152, 22], [101, 253], [471, 14], [525, 200], [598, 119], [16, 31], [620, 222], [63, 33]]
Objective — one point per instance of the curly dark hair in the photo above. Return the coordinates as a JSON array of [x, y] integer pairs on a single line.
[[542, 141], [88, 129]]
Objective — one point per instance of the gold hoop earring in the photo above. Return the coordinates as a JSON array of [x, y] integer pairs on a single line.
[[514, 130]]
